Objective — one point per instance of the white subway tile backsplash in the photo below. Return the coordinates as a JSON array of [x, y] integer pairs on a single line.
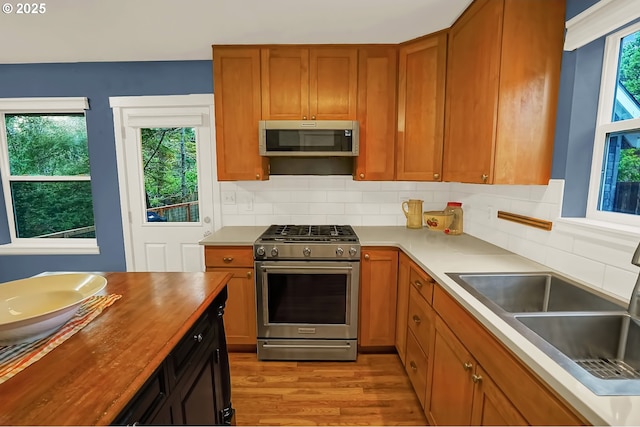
[[380, 197], [345, 196], [379, 220], [342, 200], [291, 208], [362, 185], [582, 268], [619, 282], [326, 208], [309, 196]]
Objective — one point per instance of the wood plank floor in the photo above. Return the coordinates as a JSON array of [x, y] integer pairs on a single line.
[[374, 390]]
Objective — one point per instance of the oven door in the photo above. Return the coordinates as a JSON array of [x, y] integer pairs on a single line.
[[307, 299]]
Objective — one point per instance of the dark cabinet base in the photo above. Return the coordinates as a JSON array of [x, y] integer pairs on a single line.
[[192, 386]]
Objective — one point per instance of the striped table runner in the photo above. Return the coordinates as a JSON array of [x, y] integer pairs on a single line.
[[16, 358]]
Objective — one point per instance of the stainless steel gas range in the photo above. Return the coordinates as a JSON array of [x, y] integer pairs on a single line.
[[307, 281]]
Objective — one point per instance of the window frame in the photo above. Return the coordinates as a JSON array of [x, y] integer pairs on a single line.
[[23, 246], [605, 126]]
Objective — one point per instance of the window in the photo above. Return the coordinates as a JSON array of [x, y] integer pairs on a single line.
[[44, 167], [614, 191]]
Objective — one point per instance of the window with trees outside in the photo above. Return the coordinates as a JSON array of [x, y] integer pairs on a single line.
[[45, 169], [614, 193]]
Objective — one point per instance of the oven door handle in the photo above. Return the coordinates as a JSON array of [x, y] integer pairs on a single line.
[[296, 267], [345, 347]]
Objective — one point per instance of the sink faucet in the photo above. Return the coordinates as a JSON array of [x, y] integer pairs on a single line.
[[634, 302]]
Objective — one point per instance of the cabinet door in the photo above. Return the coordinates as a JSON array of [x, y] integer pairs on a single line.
[[333, 75], [473, 70], [421, 84], [402, 305], [197, 398], [377, 73], [490, 405], [240, 310], [451, 389], [236, 74], [378, 290], [285, 83]]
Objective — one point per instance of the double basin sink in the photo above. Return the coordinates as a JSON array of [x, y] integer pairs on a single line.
[[588, 334]]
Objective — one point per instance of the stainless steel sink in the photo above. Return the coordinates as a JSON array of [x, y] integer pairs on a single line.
[[589, 334], [532, 292], [602, 350]]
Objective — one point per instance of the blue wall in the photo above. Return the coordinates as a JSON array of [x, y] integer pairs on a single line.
[[96, 81]]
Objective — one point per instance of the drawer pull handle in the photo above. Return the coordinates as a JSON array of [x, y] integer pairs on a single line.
[[418, 284], [416, 319], [197, 338], [227, 259], [413, 365], [467, 366], [249, 274], [476, 378]]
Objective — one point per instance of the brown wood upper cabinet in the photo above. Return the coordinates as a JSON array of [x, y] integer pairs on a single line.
[[300, 83], [236, 72], [377, 75], [503, 72], [421, 90]]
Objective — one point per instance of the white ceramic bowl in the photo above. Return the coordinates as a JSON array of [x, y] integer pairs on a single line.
[[36, 307]]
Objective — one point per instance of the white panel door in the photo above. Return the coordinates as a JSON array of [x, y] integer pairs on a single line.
[[166, 168]]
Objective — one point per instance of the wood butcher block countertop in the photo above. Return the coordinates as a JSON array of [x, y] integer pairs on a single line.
[[89, 378]]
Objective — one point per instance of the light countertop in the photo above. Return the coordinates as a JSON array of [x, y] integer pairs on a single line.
[[438, 254]]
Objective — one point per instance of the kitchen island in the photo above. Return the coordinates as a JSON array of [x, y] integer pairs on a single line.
[[137, 358], [438, 254]]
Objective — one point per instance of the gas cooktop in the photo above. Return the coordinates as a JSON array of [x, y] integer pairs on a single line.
[[309, 233]]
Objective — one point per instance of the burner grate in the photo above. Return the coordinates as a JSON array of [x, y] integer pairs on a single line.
[[310, 233], [609, 369]]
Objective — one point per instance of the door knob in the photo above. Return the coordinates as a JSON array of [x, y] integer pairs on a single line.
[[484, 177], [436, 176], [416, 319], [361, 176], [476, 378], [467, 366], [366, 256]]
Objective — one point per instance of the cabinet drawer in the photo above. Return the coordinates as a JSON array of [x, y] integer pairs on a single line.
[[230, 256], [144, 405], [416, 367], [422, 282], [419, 319], [194, 342]]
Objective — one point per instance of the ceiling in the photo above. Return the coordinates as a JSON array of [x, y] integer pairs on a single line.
[[152, 30]]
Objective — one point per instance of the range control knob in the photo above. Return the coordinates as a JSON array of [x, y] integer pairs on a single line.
[[260, 251], [274, 251], [339, 251], [306, 252], [353, 251]]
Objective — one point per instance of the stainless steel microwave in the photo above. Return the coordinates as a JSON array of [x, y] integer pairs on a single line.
[[326, 138]]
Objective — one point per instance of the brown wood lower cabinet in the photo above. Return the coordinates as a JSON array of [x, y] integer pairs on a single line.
[[461, 373], [378, 290], [240, 311]]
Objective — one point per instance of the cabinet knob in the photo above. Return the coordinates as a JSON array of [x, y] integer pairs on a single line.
[[197, 338], [418, 284], [484, 177], [257, 176], [304, 117], [249, 273], [313, 117], [436, 176], [366, 256], [361, 176], [476, 378], [416, 319], [227, 259], [467, 366], [413, 365]]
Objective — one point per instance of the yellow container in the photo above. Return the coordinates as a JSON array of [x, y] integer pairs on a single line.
[[438, 220], [412, 211]]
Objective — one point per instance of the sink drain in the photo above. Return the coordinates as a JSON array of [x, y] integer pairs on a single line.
[[609, 369]]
